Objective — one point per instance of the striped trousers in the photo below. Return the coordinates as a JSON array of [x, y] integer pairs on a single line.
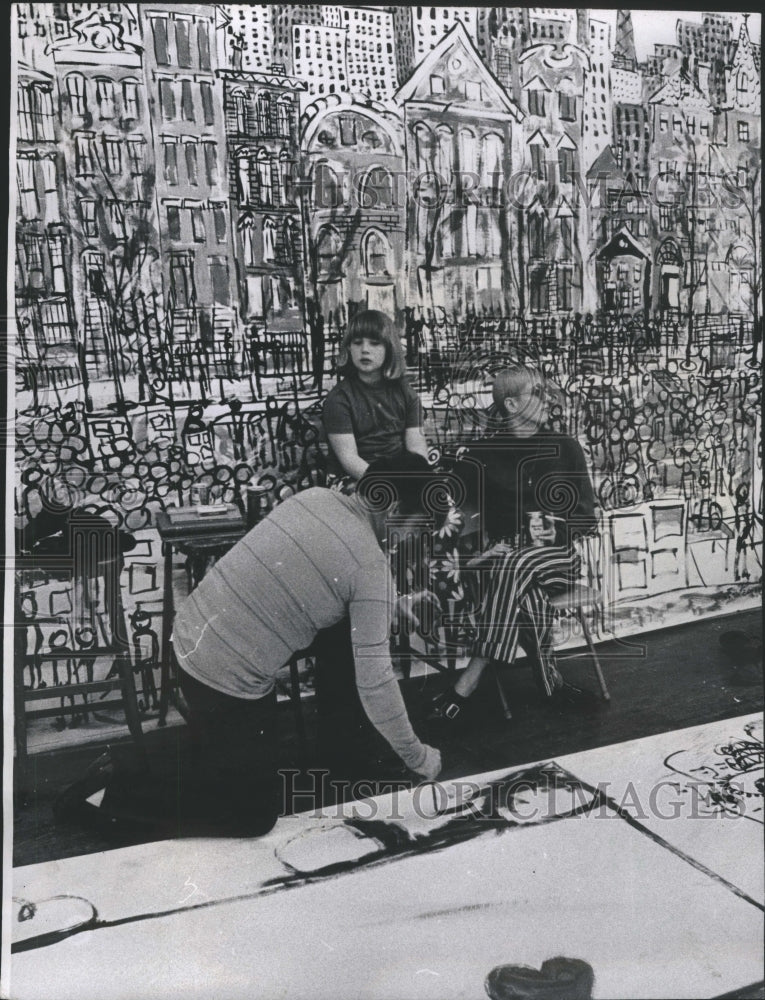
[[512, 607]]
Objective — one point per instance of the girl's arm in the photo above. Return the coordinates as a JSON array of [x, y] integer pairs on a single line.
[[346, 452], [414, 441]]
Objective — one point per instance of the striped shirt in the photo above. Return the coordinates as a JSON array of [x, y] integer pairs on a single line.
[[312, 562]]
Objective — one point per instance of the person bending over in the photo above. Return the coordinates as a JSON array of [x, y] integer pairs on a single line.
[[315, 560]]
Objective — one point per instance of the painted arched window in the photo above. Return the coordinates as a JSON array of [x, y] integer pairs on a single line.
[[284, 118], [240, 110], [105, 97], [328, 248], [269, 240], [468, 151], [247, 229], [75, 88], [444, 153], [326, 190], [377, 189], [491, 163], [424, 146], [244, 189], [291, 240], [265, 182], [376, 254]]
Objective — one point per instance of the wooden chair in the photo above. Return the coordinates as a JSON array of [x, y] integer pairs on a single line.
[[89, 560]]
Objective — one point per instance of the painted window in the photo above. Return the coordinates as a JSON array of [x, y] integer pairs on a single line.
[[537, 103], [211, 163], [161, 50], [24, 113], [538, 289], [113, 155], [566, 238], [566, 164], [248, 239], [219, 222], [218, 268], [326, 193], [130, 99], [173, 222], [377, 189], [187, 101], [327, 250], [263, 113], [42, 109], [444, 154], [565, 288], [84, 155], [171, 163], [538, 160], [203, 44], [468, 151], [88, 217], [244, 189], [75, 88], [117, 219], [198, 224], [269, 240], [537, 235], [491, 163], [284, 119], [376, 254], [167, 99], [105, 98], [25, 174], [208, 110], [56, 253], [265, 182], [567, 107], [50, 189], [182, 43]]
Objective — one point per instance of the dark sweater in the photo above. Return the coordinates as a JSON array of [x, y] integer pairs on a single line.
[[545, 472]]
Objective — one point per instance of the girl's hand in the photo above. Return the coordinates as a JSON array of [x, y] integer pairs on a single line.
[[495, 552], [541, 530], [414, 610]]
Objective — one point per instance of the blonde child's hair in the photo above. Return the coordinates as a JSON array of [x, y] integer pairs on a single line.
[[511, 381], [374, 325]]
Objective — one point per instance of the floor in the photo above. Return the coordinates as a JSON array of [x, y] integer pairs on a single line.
[[659, 682], [614, 873]]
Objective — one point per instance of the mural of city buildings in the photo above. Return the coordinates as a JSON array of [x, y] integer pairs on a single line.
[[206, 193]]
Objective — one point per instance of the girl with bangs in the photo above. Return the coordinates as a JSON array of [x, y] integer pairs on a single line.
[[372, 412]]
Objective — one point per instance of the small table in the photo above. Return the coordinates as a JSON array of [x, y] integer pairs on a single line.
[[197, 531]]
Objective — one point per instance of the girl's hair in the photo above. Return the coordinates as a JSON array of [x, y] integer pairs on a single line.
[[374, 325]]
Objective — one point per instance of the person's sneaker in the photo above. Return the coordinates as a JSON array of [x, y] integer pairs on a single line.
[[447, 707]]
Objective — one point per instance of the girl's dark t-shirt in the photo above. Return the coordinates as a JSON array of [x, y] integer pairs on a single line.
[[376, 415]]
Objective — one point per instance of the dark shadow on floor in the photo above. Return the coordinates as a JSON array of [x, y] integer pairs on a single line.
[[659, 682]]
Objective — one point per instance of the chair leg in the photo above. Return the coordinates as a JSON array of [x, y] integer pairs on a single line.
[[500, 689], [595, 661], [297, 706]]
